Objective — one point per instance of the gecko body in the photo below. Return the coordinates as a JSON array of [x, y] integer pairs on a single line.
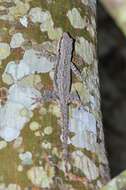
[[62, 83]]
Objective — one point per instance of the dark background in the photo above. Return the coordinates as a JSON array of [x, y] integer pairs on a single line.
[[112, 71]]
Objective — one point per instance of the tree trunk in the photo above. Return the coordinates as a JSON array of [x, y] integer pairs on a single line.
[[33, 113]]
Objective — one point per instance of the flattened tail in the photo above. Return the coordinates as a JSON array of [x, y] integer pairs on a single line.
[[65, 133]]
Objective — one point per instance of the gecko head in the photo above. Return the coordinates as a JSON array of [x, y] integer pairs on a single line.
[[67, 42], [67, 38]]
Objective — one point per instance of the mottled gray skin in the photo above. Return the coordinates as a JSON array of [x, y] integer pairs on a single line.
[[62, 76], [62, 83]]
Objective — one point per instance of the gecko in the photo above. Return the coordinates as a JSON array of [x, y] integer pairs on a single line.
[[62, 87], [62, 83]]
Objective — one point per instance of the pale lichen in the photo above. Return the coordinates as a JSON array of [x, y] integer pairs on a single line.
[[26, 158], [48, 130], [10, 187], [54, 33], [3, 144], [40, 177], [62, 166], [55, 110], [7, 78], [85, 50], [101, 154], [2, 186], [43, 110], [85, 2], [20, 168], [37, 15], [86, 165], [24, 21], [4, 50], [46, 22], [82, 120], [17, 40], [75, 18], [32, 80], [10, 121], [16, 11], [24, 112], [11, 118], [34, 125], [37, 133], [82, 91], [13, 187], [55, 151], [46, 145], [39, 64], [24, 95], [83, 124]]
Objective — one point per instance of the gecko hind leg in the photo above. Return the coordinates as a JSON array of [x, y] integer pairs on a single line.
[[76, 71], [74, 98]]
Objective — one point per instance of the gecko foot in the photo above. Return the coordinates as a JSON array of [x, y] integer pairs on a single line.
[[74, 98]]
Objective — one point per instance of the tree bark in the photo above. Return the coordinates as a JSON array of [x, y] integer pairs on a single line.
[[119, 182], [31, 153]]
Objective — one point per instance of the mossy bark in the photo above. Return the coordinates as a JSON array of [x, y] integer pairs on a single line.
[[33, 158]]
